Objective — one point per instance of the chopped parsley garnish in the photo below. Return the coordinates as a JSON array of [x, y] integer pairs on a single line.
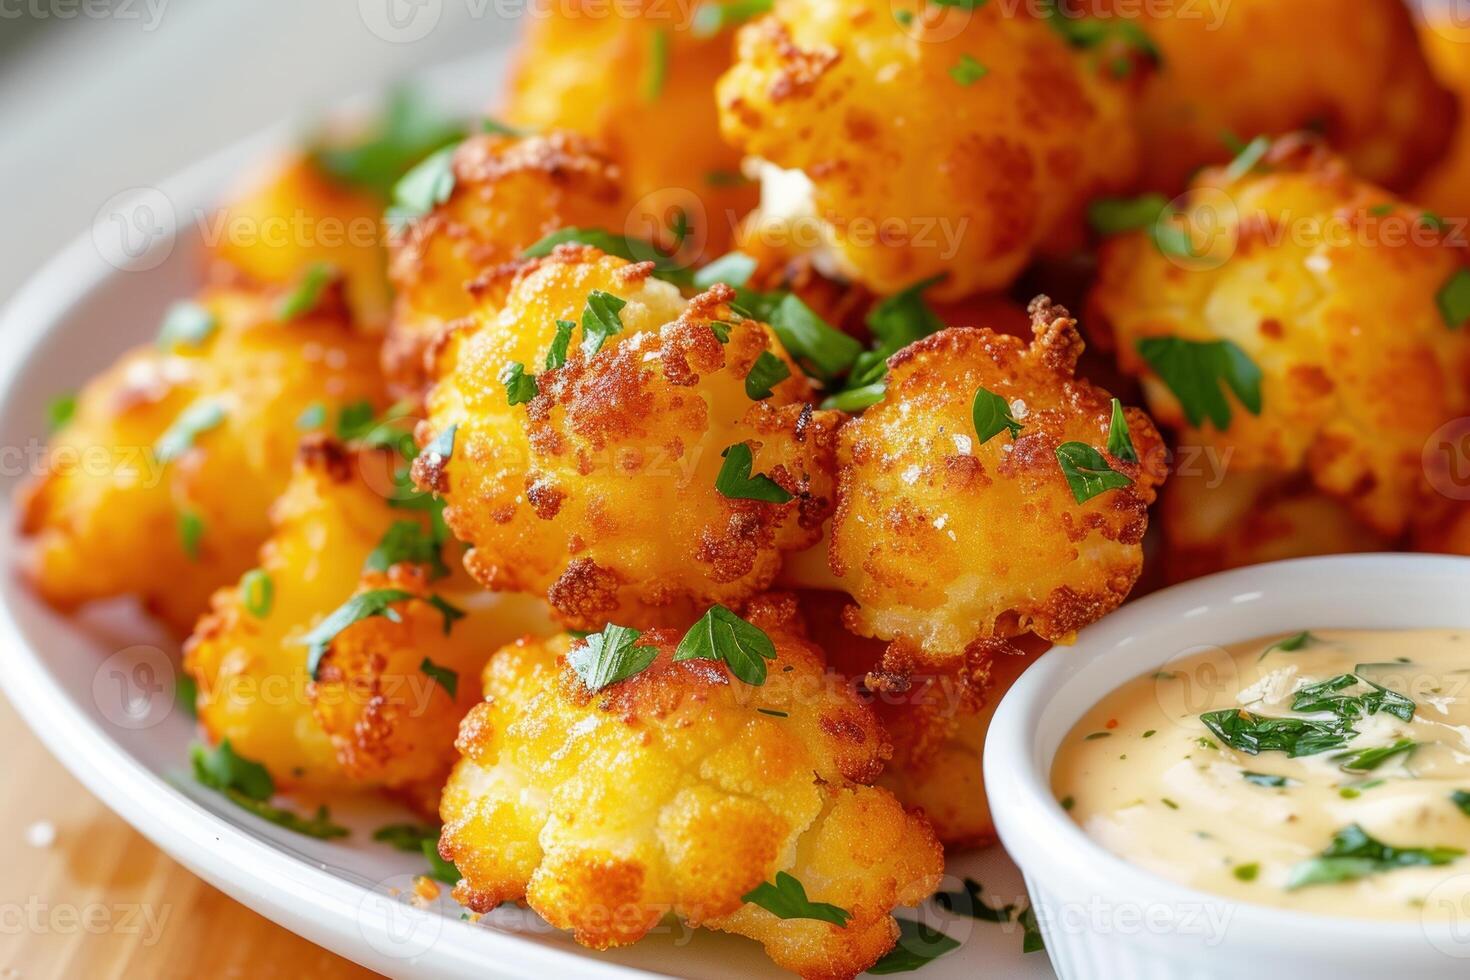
[[258, 592], [658, 65], [735, 482], [857, 399], [1253, 734], [409, 131], [767, 371], [1194, 372], [1097, 735], [408, 541], [366, 605], [720, 329], [1266, 779], [1366, 760], [186, 324], [1461, 799], [721, 635], [1293, 643], [610, 656], [354, 420], [1353, 854], [1120, 440], [895, 322], [1326, 696], [1068, 802], [969, 902], [1248, 159], [823, 349], [918, 945], [1247, 872], [1031, 938], [1116, 215], [406, 837], [967, 71], [422, 189], [60, 410], [1453, 299], [186, 694], [773, 712], [992, 415], [713, 18], [1169, 803], [308, 292], [520, 387], [621, 246], [191, 533], [600, 320], [1092, 33], [786, 899], [556, 355], [443, 676], [1087, 472], [439, 869], [249, 785], [732, 268], [192, 422]]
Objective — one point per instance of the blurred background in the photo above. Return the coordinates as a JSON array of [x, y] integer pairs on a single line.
[[100, 95]]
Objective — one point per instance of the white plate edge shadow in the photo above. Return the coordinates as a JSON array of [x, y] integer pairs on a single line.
[[327, 909]]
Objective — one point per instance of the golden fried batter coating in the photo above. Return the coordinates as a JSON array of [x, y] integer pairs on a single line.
[[1332, 291], [290, 216], [508, 194], [372, 717], [673, 790], [1246, 68], [160, 484], [600, 493], [1251, 517], [639, 79], [942, 540], [907, 170], [1446, 187]]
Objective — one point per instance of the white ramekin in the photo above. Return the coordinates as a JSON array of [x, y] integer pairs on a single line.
[[1104, 918]]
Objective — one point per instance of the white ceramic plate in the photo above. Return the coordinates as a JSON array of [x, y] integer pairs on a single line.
[[98, 689]]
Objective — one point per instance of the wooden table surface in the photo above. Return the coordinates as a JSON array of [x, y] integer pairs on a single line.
[[100, 901]]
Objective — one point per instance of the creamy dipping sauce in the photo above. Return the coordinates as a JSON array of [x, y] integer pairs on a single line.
[[1356, 801]]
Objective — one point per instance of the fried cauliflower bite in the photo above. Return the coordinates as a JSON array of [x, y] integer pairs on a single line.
[[672, 791], [879, 155], [944, 541], [508, 194], [372, 717], [1446, 187], [1249, 517], [640, 79], [1332, 293], [1243, 68], [600, 492], [290, 216], [160, 484]]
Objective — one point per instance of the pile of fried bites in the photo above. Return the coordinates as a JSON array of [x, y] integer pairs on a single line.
[[726, 346]]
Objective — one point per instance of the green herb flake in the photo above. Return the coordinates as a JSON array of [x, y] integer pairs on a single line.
[[193, 422], [443, 676], [967, 71], [1254, 734], [257, 592], [721, 635], [856, 399], [1293, 643], [191, 533], [735, 481], [658, 65], [895, 322], [732, 269], [439, 869], [1068, 802], [1453, 299], [249, 786], [1461, 799], [621, 246], [1265, 779], [970, 903], [1120, 441], [773, 712], [408, 542], [1327, 696], [1169, 803], [1354, 854], [991, 415], [1118, 215], [556, 355], [422, 189], [825, 350], [1195, 370], [714, 18], [1097, 735], [1087, 472], [186, 324], [1150, 733], [60, 411], [186, 695], [365, 605], [1031, 938], [610, 656], [410, 129], [406, 837], [767, 371], [1366, 760], [786, 899], [520, 387], [1246, 872], [600, 320], [308, 292], [918, 945], [1248, 159]]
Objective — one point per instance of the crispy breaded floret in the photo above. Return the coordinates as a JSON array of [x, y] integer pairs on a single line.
[[674, 790], [962, 142], [508, 194], [1242, 69], [943, 540], [290, 216], [1338, 301], [638, 77], [599, 492], [160, 484], [372, 716]]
